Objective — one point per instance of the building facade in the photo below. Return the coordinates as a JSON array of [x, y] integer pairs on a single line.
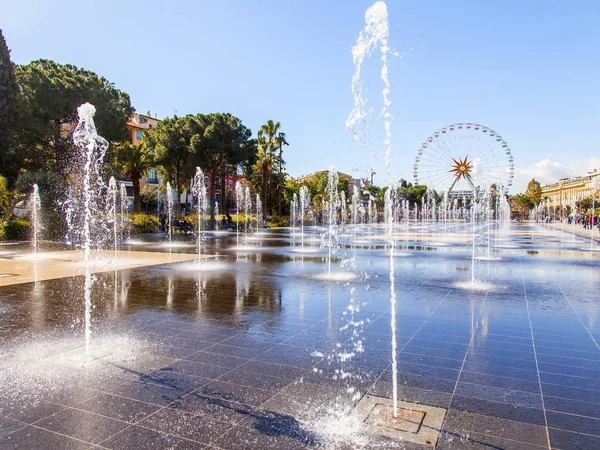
[[135, 132], [569, 190]]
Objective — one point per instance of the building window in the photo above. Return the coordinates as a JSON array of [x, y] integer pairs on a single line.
[[152, 178], [143, 120], [138, 135]]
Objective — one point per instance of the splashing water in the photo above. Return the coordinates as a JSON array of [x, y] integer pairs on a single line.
[[92, 147], [199, 191], [35, 217], [112, 212], [375, 35]]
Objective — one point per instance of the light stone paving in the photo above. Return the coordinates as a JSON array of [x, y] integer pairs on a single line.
[[24, 268]]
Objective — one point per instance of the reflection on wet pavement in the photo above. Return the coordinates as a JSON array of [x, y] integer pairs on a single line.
[[256, 348]]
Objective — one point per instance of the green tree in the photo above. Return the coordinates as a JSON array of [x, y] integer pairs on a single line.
[[134, 161], [523, 204], [9, 164], [261, 177], [49, 94], [414, 194], [534, 191], [220, 143], [274, 140], [170, 147], [4, 198]]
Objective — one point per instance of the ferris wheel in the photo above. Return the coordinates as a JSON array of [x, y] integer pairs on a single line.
[[462, 157]]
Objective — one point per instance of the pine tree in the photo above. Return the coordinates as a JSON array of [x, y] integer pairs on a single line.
[[8, 112]]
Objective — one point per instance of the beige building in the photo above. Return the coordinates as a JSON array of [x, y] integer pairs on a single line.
[[135, 130], [568, 190]]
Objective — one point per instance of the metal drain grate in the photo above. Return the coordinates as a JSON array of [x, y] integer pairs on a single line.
[[417, 423]]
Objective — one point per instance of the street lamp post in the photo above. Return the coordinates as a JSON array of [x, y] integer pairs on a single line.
[[282, 142]]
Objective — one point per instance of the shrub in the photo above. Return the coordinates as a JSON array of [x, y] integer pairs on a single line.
[[143, 223], [15, 230]]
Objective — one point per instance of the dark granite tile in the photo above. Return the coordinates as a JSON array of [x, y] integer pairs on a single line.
[[499, 370], [421, 381], [501, 382], [30, 413], [170, 379], [572, 406], [308, 401], [235, 393], [578, 424], [566, 361], [150, 392], [230, 350], [268, 434], [119, 408], [566, 440], [568, 370], [198, 369], [551, 351], [260, 381], [82, 425], [411, 394], [9, 425], [429, 360], [186, 425], [570, 381], [583, 395], [288, 357], [206, 357], [134, 438], [265, 368], [173, 352], [213, 408], [497, 409], [478, 441], [499, 395], [525, 364], [463, 423], [35, 438]]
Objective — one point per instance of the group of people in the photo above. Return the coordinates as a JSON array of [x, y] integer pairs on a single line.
[[587, 222], [181, 225]]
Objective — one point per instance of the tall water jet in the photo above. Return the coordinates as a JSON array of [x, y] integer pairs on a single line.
[[112, 213], [247, 208], [304, 204], [124, 213], [258, 212], [35, 217], [239, 201], [199, 192], [92, 148], [331, 208], [375, 35], [169, 205]]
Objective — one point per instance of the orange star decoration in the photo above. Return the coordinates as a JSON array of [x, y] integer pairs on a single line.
[[461, 168]]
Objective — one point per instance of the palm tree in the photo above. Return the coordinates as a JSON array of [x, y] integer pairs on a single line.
[[274, 139], [264, 163], [134, 161]]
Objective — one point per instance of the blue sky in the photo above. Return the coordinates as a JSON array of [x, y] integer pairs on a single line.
[[528, 69]]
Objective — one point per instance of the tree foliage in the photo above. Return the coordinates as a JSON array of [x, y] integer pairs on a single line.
[[534, 191], [134, 161], [9, 160], [49, 94], [523, 204], [220, 144], [169, 145]]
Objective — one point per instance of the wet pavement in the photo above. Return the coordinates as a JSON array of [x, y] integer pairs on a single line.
[[256, 348]]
